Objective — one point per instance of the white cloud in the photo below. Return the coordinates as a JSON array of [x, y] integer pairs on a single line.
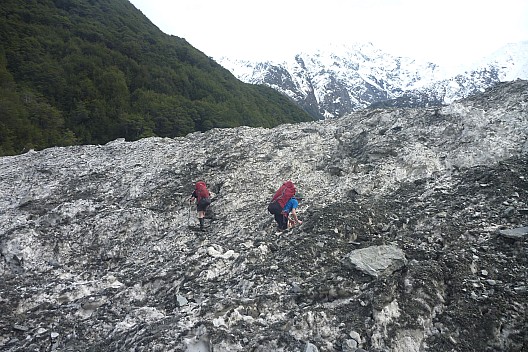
[[445, 32]]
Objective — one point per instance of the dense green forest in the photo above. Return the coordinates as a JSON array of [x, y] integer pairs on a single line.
[[89, 71]]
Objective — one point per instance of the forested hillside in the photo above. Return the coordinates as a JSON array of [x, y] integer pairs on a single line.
[[90, 71]]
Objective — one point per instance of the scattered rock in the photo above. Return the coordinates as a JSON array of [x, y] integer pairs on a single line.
[[377, 260], [95, 241], [516, 234]]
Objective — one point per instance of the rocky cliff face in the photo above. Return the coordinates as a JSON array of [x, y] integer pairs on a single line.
[[414, 237]]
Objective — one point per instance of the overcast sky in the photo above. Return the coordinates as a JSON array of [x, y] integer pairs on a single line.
[[445, 32]]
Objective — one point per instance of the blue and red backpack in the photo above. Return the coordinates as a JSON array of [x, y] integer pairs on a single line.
[[281, 197]]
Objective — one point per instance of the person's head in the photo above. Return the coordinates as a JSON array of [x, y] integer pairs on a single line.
[[299, 196]]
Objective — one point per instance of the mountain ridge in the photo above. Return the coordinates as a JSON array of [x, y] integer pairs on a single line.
[[338, 80], [77, 72]]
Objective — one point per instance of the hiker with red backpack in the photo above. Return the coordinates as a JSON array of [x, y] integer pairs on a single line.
[[203, 200], [285, 202]]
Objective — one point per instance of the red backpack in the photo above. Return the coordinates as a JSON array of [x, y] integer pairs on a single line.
[[284, 193], [201, 191]]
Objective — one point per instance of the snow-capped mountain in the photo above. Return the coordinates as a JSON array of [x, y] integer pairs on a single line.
[[340, 79]]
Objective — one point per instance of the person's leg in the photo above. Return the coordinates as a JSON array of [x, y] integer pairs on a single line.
[[201, 216], [201, 208], [276, 210], [283, 222], [278, 219]]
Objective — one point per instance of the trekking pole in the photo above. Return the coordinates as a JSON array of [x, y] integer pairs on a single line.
[[189, 216]]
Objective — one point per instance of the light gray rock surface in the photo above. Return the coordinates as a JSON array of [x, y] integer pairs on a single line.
[[517, 233], [377, 260], [99, 252]]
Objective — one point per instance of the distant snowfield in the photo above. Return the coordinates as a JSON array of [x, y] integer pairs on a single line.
[[344, 78]]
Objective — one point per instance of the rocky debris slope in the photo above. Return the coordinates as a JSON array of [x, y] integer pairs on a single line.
[[414, 237]]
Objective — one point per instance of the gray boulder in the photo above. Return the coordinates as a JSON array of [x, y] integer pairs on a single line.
[[377, 260]]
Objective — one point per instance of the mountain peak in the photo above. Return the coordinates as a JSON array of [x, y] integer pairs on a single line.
[[337, 79]]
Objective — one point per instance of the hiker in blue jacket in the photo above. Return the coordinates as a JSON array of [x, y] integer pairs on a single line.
[[290, 208]]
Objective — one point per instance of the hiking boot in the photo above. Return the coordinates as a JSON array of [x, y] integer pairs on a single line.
[[280, 231]]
